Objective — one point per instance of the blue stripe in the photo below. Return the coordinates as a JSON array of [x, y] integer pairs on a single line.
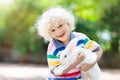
[[57, 50], [97, 49], [64, 78], [80, 42]]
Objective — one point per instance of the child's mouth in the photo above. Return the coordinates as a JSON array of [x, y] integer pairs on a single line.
[[61, 35]]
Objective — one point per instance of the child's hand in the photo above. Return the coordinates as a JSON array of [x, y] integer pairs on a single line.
[[80, 58], [52, 71], [86, 67]]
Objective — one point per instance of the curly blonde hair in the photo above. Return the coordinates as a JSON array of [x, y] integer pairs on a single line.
[[55, 15]]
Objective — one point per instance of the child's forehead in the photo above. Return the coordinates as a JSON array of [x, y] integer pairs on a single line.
[[56, 21]]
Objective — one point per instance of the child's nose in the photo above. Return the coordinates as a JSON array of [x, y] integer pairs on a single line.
[[59, 31]]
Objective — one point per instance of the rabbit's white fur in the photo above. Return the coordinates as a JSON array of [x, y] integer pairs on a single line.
[[69, 56]]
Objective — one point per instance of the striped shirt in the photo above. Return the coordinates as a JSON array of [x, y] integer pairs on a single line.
[[55, 48]]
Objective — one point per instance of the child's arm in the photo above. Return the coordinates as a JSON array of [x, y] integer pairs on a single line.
[[99, 53], [94, 47], [52, 60]]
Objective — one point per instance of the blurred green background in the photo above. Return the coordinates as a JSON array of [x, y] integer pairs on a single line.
[[20, 43]]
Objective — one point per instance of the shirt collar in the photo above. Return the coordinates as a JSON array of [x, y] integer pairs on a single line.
[[58, 44]]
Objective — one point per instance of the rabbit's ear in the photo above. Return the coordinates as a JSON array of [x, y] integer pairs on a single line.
[[70, 46], [68, 49]]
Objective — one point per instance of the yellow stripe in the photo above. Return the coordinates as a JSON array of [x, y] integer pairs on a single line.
[[89, 45], [50, 63]]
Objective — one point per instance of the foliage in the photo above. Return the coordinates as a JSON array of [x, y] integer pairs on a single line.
[[93, 17], [111, 23]]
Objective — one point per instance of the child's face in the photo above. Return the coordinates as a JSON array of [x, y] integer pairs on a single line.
[[60, 32]]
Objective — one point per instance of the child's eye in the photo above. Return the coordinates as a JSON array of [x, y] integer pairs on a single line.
[[52, 30], [60, 25]]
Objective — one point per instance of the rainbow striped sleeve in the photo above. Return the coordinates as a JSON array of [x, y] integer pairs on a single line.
[[85, 42], [90, 44], [53, 60]]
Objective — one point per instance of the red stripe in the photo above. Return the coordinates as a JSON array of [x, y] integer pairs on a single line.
[[71, 74]]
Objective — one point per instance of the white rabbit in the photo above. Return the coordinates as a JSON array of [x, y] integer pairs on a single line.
[[69, 55]]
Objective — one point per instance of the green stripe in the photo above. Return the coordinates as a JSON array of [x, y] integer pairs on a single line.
[[52, 56], [86, 40]]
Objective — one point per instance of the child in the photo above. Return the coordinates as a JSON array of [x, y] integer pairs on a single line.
[[56, 25]]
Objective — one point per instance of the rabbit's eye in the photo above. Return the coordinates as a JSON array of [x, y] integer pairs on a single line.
[[65, 56]]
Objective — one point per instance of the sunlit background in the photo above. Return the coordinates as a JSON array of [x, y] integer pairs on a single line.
[[6, 2], [20, 43]]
